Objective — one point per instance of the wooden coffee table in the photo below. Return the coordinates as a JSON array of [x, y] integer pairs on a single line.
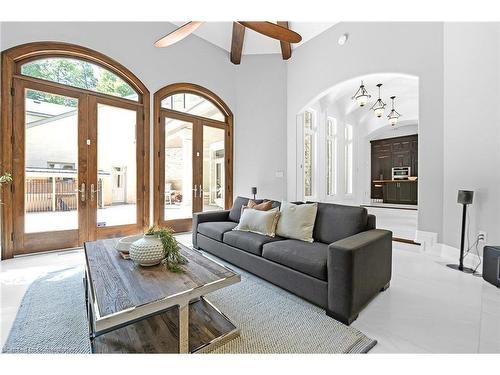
[[135, 309]]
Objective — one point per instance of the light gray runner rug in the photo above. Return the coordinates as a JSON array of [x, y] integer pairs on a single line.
[[52, 319]]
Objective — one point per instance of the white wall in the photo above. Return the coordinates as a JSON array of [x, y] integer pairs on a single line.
[[254, 91], [408, 48], [260, 134], [472, 128]]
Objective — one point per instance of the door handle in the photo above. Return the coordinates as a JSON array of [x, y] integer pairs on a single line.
[[195, 189], [201, 191], [92, 192], [82, 192]]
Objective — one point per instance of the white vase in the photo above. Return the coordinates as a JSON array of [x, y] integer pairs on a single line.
[[147, 251]]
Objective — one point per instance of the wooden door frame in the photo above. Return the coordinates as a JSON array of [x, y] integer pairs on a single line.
[[184, 224], [159, 115], [11, 61], [27, 242], [125, 229]]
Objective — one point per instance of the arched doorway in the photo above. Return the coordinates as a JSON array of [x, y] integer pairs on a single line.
[[347, 154], [193, 145], [75, 137]]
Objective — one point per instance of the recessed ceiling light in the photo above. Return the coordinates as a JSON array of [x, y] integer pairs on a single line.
[[343, 39]]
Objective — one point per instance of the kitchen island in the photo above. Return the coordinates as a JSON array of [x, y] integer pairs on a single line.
[[398, 191]]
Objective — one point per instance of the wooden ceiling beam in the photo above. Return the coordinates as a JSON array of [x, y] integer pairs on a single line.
[[237, 43], [286, 47]]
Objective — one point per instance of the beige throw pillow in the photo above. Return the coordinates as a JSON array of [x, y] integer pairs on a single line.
[[297, 221], [261, 222]]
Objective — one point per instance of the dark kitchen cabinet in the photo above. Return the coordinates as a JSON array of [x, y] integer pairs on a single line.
[[401, 159], [414, 157], [391, 193], [389, 153], [404, 192], [381, 170], [408, 192]]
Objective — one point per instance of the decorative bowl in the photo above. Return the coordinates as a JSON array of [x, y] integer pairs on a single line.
[[124, 243], [147, 251]]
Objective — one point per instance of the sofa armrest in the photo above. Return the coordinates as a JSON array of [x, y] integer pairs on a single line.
[[359, 267], [372, 222], [203, 217]]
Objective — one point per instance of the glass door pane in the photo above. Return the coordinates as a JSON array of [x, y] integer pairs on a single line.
[[50, 162], [178, 198], [116, 191], [213, 168]]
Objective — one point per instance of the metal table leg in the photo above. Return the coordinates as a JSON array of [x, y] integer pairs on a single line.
[[184, 329]]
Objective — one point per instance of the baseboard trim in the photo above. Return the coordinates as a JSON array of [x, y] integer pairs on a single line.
[[404, 240], [390, 207]]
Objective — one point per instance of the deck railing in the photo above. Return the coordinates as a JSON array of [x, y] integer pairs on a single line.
[[52, 194]]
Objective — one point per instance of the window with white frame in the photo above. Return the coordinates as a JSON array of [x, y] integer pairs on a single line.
[[308, 161], [331, 156], [348, 159]]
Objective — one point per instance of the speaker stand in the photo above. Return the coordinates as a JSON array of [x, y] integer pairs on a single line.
[[460, 265]]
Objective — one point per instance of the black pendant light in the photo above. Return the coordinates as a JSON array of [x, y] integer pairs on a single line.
[[393, 115], [379, 106], [361, 95]]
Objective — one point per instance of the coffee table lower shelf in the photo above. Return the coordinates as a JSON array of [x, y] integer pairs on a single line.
[[208, 328]]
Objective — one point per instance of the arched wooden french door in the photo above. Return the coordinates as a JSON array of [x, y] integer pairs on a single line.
[[193, 158], [75, 136]]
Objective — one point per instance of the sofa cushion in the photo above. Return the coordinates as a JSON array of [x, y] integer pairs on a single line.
[[239, 202], [215, 229], [335, 222], [248, 241], [305, 257]]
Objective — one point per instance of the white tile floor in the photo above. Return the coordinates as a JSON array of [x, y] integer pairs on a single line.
[[428, 308]]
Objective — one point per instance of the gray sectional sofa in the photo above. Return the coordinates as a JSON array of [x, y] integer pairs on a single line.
[[345, 267]]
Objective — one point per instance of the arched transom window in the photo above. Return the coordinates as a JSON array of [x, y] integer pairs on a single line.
[[80, 74], [193, 105]]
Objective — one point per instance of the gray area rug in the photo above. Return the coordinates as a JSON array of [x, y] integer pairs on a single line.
[[52, 319]]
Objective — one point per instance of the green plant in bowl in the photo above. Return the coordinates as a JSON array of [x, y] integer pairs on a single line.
[[173, 258]]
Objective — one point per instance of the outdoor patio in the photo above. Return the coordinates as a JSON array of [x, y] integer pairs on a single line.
[[64, 220]]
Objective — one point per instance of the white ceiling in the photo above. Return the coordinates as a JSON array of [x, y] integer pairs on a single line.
[[219, 33]]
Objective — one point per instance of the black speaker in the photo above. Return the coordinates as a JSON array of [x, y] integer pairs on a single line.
[[491, 265], [465, 196]]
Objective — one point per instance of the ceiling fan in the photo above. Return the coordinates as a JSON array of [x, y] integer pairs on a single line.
[[278, 31]]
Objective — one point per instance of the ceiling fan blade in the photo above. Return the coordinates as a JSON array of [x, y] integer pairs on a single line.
[[178, 34], [273, 30]]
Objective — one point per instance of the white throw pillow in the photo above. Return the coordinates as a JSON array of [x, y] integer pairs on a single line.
[[297, 221], [261, 222]]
